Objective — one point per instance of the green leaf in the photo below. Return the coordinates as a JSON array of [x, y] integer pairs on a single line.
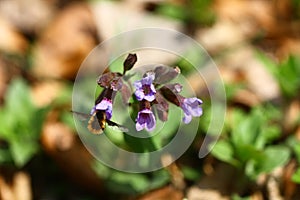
[[20, 123], [21, 152], [101, 170], [296, 176], [130, 183], [245, 128], [287, 73], [5, 156], [224, 152], [172, 10], [190, 173], [160, 178], [269, 134], [275, 156], [18, 101], [127, 183], [246, 152], [296, 149]]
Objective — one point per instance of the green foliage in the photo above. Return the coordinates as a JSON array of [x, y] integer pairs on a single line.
[[295, 144], [173, 11], [190, 173], [192, 12], [286, 73], [248, 144], [20, 125], [296, 176], [130, 183]]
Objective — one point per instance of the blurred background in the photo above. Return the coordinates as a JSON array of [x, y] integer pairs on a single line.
[[255, 44]]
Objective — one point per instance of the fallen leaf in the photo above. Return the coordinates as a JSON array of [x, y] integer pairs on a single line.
[[65, 43], [14, 42]]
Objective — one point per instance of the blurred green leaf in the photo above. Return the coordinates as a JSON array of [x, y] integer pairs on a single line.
[[296, 176], [245, 128], [245, 153], [20, 124], [249, 141], [174, 11], [275, 156], [159, 178], [287, 73], [129, 183], [191, 173], [296, 149], [224, 152]]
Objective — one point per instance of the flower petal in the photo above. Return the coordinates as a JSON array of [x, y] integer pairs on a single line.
[[152, 88], [138, 85], [192, 106], [139, 126], [139, 94], [103, 105], [151, 122], [106, 105], [149, 97], [148, 80], [187, 118]]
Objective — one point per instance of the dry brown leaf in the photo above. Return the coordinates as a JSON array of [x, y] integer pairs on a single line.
[[165, 193], [256, 76], [196, 193], [22, 186], [11, 40], [113, 18], [257, 196], [29, 16], [17, 189], [249, 15], [287, 47], [224, 34], [3, 79], [65, 43], [291, 116], [45, 92], [289, 187], [246, 97]]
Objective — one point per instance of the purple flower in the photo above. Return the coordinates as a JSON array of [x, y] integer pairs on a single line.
[[145, 120], [145, 89], [190, 107], [106, 105]]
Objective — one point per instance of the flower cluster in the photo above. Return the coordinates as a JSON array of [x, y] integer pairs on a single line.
[[148, 95], [152, 92]]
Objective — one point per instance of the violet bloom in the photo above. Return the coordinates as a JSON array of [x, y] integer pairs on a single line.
[[145, 120], [145, 89], [106, 105], [190, 107]]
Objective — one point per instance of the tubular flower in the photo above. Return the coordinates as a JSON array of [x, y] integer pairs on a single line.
[[145, 120], [190, 107], [145, 88]]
